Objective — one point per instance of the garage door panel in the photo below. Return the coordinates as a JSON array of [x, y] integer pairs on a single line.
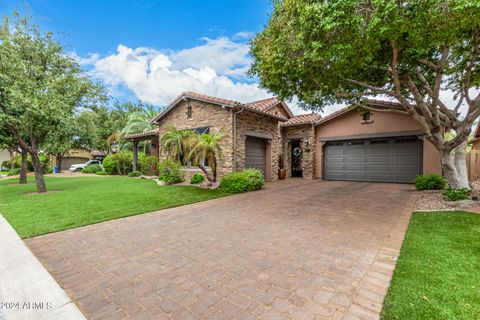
[[389, 160], [255, 153]]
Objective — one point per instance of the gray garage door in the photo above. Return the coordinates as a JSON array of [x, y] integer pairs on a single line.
[[67, 162], [388, 160], [255, 153]]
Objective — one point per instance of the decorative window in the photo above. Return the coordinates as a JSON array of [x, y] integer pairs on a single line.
[[366, 117], [189, 113]]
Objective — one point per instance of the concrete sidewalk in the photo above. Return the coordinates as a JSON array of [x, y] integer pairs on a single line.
[[27, 290]]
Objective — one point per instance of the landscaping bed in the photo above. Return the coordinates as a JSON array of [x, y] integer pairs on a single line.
[[79, 201], [437, 276]]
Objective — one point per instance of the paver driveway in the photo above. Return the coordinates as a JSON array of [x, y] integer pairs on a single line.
[[296, 250]]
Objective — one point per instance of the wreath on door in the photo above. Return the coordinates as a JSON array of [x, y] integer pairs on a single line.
[[297, 151]]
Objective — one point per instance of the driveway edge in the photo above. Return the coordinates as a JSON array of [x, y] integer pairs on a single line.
[[27, 290]]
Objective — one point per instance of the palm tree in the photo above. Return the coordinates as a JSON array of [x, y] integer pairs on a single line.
[[206, 147], [176, 143], [139, 122]]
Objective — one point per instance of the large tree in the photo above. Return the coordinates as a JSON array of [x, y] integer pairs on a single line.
[[40, 87], [326, 52]]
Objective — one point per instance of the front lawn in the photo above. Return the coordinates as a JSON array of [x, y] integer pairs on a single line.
[[438, 271], [80, 201]]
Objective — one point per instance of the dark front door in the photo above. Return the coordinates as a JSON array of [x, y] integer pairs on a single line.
[[296, 159]]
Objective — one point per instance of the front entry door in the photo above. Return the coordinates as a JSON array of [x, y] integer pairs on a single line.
[[296, 159]]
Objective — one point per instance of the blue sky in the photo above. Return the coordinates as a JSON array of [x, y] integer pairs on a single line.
[[154, 50]]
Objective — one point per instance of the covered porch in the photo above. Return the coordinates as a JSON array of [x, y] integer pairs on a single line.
[[136, 138]]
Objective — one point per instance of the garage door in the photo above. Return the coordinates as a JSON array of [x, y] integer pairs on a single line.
[[255, 153], [67, 162], [385, 160]]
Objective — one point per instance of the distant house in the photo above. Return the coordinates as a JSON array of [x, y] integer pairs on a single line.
[[77, 156], [4, 156]]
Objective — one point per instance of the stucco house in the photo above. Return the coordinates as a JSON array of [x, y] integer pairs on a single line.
[[345, 145]]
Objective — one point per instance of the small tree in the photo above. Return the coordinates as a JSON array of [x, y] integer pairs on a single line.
[[326, 52], [206, 148], [175, 143]]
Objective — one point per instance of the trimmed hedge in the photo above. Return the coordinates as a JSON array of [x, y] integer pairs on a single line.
[[148, 165], [431, 181], [197, 178], [92, 168], [243, 181], [119, 163], [134, 174], [169, 172]]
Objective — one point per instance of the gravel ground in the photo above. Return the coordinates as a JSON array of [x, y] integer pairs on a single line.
[[432, 200]]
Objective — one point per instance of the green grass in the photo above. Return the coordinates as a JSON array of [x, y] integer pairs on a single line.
[[88, 200], [438, 271]]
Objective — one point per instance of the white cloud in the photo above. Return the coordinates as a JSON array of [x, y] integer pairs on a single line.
[[158, 76]]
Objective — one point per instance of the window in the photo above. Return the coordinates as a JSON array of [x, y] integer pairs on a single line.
[[366, 116], [189, 113]]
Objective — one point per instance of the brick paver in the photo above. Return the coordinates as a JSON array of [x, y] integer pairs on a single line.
[[298, 249]]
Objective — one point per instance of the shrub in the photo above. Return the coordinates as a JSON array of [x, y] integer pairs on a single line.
[[44, 162], [118, 163], [101, 173], [134, 174], [169, 172], [244, 181], [92, 168], [430, 181], [148, 165], [456, 194], [197, 178], [13, 172]]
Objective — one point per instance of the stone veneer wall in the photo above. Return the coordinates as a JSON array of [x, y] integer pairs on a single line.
[[203, 114], [300, 132], [249, 121]]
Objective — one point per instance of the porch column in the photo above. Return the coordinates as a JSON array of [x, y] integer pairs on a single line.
[[135, 155]]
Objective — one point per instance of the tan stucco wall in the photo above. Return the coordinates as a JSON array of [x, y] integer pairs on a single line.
[[252, 122], [203, 114], [308, 152], [4, 156], [350, 124]]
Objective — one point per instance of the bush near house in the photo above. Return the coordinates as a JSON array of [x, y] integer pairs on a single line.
[[456, 194], [17, 163], [243, 181], [197, 178], [134, 174], [92, 168], [101, 173], [169, 171], [148, 165], [431, 181], [120, 163]]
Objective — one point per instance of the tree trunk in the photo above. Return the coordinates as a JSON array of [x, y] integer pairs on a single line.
[[455, 167], [460, 162], [59, 162], [23, 167], [41, 187], [209, 177], [214, 169]]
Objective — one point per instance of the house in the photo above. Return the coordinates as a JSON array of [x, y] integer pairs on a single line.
[[77, 156], [346, 145], [4, 156]]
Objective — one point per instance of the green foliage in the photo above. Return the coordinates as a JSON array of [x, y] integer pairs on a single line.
[[431, 181], [169, 171], [135, 174], [148, 165], [243, 181], [206, 147], [13, 172], [177, 144], [119, 163], [197, 178], [44, 162], [456, 194], [314, 49], [92, 168], [101, 173]]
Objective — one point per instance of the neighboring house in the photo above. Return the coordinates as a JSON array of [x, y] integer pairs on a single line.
[[77, 156], [4, 156], [346, 145]]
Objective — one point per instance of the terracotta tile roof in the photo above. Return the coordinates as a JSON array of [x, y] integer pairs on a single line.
[[253, 106], [145, 134], [264, 104], [310, 118]]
